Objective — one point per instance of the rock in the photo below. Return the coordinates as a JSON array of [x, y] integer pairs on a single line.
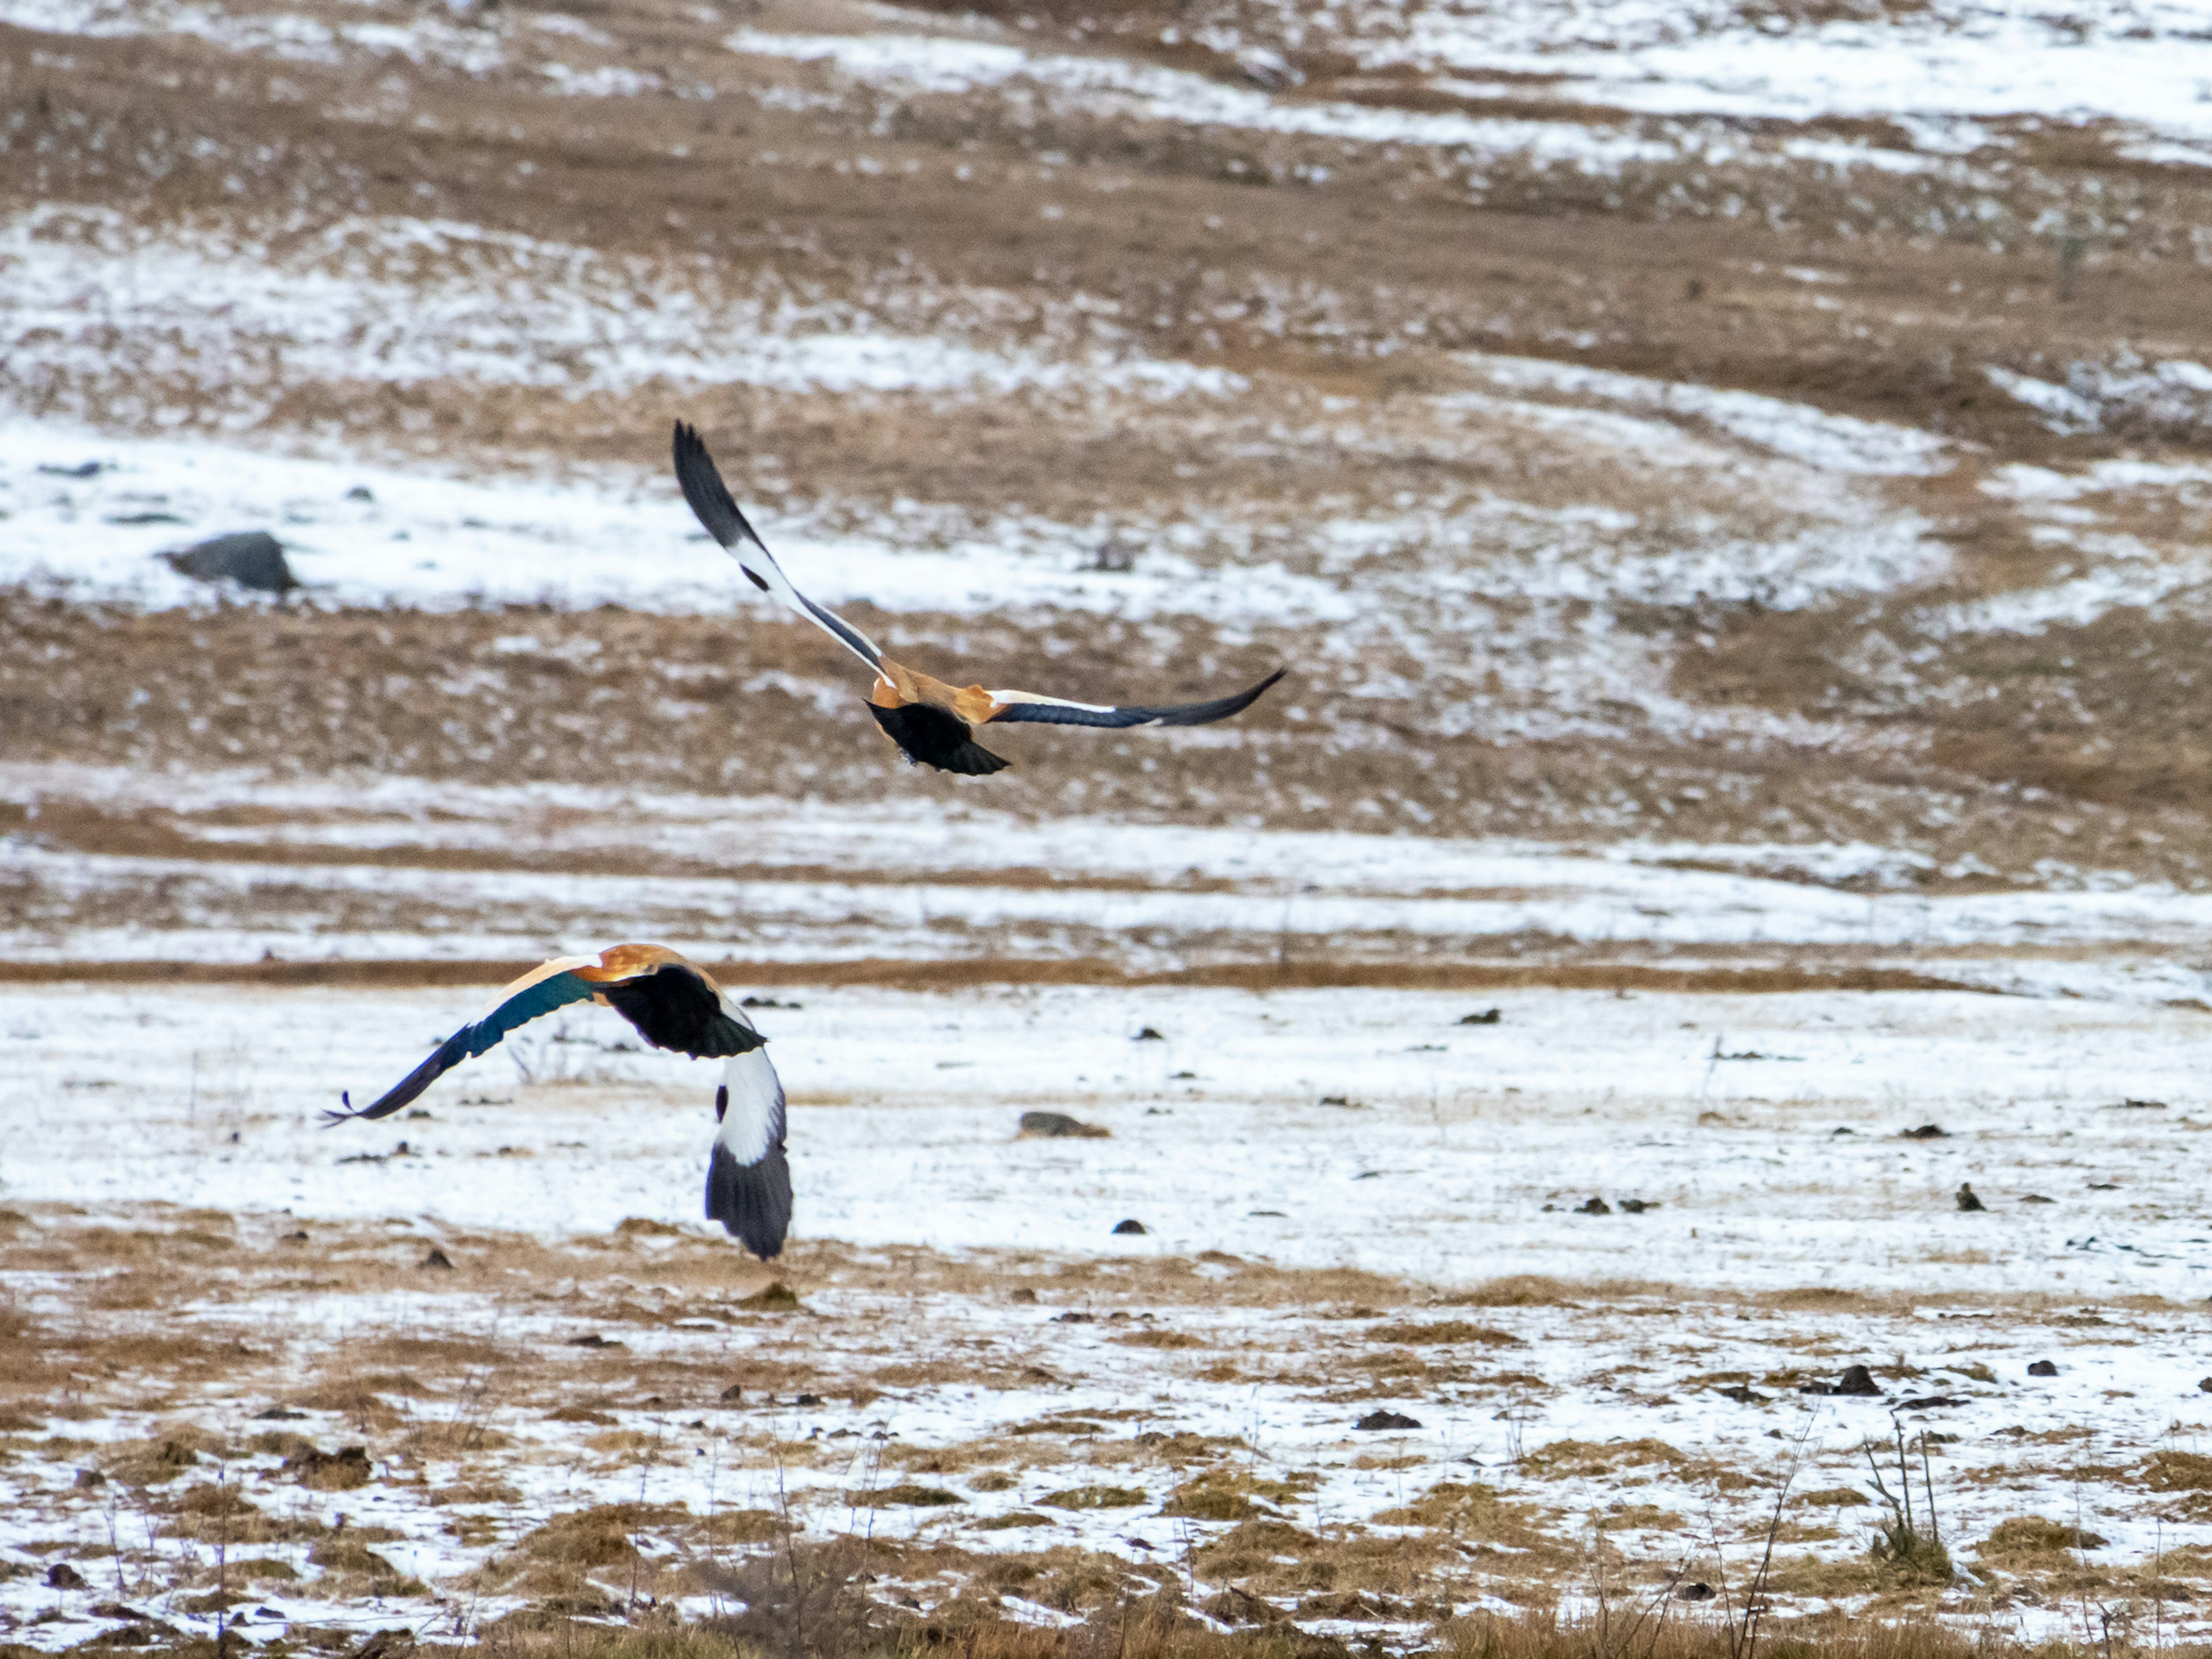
[[1743, 1395], [1698, 1592], [594, 1341], [1058, 1125], [2037, 1198], [82, 470], [1926, 1132], [1638, 1206], [1487, 1017], [252, 558], [1072, 1318], [1931, 1402], [1595, 1206], [1967, 1201], [808, 1400], [1856, 1380], [1132, 1225], [2043, 1368], [359, 493], [1024, 1294], [280, 1414], [1148, 1035], [340, 1471], [62, 1576], [1384, 1418], [89, 1480], [438, 1258], [732, 1395]]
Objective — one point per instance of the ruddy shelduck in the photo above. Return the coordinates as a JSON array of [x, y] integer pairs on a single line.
[[933, 723], [675, 1004]]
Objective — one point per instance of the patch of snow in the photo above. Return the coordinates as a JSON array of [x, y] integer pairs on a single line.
[[402, 302], [1836, 443], [424, 538]]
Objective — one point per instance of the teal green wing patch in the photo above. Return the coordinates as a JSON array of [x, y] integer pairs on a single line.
[[557, 991]]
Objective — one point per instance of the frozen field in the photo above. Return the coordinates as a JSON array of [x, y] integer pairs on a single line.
[[1354, 1202]]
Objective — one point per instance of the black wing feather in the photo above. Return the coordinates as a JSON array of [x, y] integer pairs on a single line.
[[703, 488], [1181, 714], [472, 1039]]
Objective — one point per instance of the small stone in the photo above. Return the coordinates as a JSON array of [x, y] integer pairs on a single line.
[[808, 1400], [1698, 1592], [1072, 1318], [1595, 1206], [359, 493], [732, 1395], [1743, 1396], [1385, 1418], [280, 1414], [1927, 1132], [1487, 1017], [2043, 1368], [1131, 1225], [62, 1576], [594, 1341], [1967, 1201], [1148, 1035], [438, 1259], [1024, 1294], [1638, 1206]]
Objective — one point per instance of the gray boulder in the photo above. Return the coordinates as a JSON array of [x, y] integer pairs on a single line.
[[252, 558]]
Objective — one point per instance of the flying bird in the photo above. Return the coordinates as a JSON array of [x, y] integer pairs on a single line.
[[932, 723], [675, 1004]]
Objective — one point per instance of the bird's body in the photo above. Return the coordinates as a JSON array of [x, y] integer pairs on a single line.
[[933, 723], [675, 1004]]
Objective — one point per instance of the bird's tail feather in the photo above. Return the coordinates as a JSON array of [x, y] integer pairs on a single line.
[[751, 1200]]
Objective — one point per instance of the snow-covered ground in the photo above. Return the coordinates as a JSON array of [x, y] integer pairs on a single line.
[[1767, 1127]]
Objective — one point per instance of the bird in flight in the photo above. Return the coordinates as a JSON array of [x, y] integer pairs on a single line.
[[675, 1004], [932, 723]]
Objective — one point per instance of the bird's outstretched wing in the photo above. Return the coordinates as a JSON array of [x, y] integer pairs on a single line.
[[550, 985], [1055, 711], [703, 488]]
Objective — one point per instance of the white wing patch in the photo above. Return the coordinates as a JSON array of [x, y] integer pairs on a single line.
[[753, 1120], [1056, 703]]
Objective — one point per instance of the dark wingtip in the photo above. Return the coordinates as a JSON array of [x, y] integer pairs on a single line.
[[972, 760], [331, 1119], [751, 1200]]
